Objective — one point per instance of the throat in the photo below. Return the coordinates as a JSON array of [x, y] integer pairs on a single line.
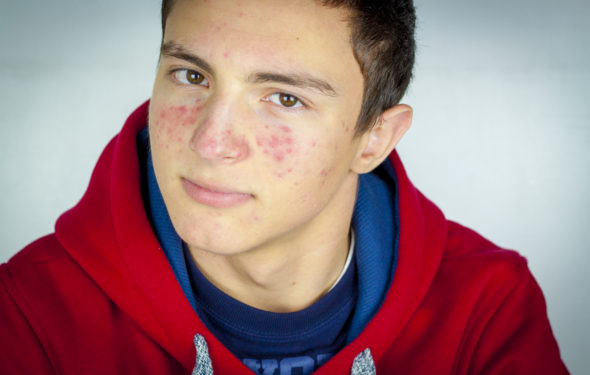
[[281, 282]]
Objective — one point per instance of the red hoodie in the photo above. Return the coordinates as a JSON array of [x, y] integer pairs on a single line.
[[99, 297]]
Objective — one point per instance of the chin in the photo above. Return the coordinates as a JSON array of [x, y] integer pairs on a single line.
[[213, 242]]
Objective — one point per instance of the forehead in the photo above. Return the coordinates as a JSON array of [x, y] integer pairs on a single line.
[[300, 30]]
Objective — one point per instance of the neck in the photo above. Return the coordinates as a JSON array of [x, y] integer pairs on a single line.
[[287, 275], [276, 281]]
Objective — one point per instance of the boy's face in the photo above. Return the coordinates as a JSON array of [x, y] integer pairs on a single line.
[[252, 123]]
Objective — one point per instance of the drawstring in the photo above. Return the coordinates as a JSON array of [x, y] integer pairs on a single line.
[[203, 361], [363, 364]]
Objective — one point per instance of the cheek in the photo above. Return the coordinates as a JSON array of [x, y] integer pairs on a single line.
[[173, 122], [280, 146]]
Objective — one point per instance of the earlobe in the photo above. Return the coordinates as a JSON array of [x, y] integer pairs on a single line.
[[380, 140]]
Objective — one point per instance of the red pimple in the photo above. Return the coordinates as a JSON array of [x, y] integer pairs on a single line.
[[274, 141], [277, 145], [286, 129]]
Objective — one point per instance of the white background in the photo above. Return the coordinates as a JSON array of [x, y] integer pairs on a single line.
[[499, 139]]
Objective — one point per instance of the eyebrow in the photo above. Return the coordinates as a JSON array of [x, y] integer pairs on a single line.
[[294, 79], [173, 49]]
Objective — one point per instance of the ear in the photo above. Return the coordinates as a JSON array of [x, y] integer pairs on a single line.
[[378, 142]]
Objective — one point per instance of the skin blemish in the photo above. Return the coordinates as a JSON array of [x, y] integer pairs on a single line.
[[274, 141], [180, 115], [211, 145], [276, 145], [324, 173]]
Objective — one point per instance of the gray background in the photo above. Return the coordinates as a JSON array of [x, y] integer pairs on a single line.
[[499, 139]]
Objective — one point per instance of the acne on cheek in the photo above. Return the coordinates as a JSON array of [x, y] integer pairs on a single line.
[[172, 120], [174, 116], [278, 144]]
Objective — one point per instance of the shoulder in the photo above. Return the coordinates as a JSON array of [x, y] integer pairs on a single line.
[[41, 278], [480, 276], [23, 280], [467, 249], [34, 262]]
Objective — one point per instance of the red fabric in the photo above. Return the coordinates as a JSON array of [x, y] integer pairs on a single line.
[[98, 296]]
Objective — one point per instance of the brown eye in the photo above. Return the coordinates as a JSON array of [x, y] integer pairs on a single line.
[[284, 100], [288, 100], [194, 77], [190, 77]]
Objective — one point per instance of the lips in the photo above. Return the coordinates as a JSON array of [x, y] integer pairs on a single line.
[[214, 196]]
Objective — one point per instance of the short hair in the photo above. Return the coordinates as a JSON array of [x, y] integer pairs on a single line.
[[383, 43]]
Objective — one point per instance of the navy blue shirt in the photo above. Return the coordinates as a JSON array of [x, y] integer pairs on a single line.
[[262, 340]]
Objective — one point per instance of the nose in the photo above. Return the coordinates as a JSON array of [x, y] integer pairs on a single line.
[[215, 139]]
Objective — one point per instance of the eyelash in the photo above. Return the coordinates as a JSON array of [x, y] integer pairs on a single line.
[[180, 76], [298, 102]]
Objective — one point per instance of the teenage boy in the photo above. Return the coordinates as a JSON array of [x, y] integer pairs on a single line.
[[252, 218]]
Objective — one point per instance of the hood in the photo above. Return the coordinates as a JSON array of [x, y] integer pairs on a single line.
[[109, 235]]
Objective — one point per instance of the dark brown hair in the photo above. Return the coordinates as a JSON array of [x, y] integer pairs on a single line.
[[382, 38]]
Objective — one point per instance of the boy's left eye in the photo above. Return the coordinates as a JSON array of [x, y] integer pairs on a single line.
[[285, 100]]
